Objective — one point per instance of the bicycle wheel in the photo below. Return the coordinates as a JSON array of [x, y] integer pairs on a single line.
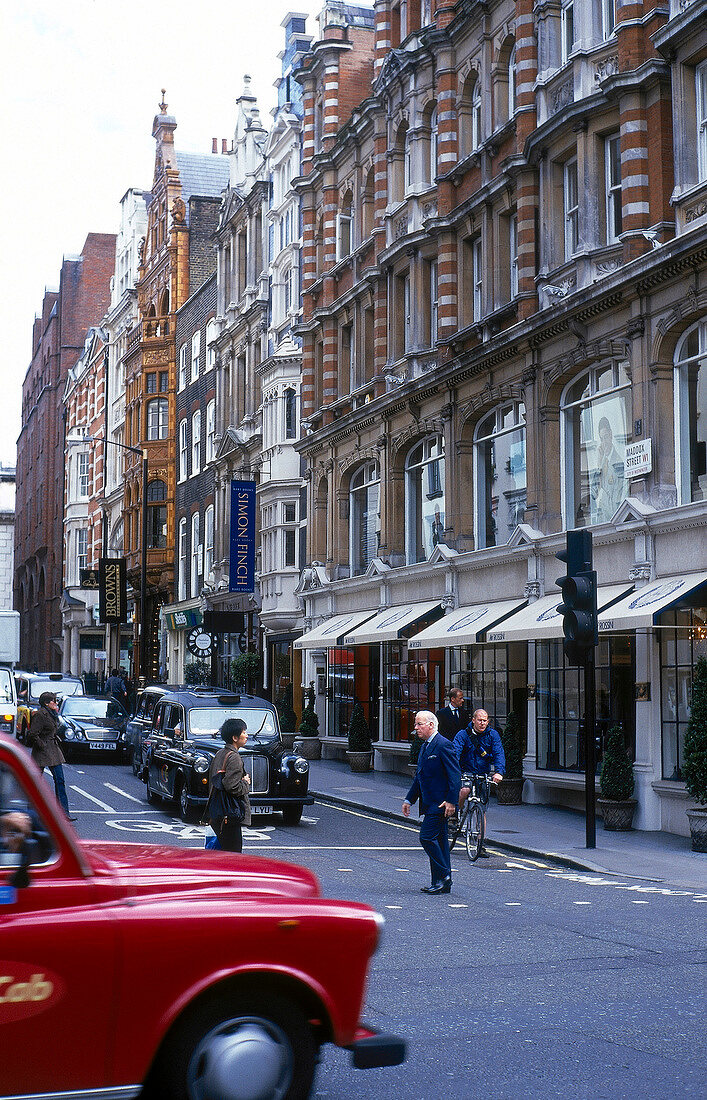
[[475, 832], [460, 827]]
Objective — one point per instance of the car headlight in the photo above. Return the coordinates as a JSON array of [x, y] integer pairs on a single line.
[[69, 734], [301, 765], [201, 765]]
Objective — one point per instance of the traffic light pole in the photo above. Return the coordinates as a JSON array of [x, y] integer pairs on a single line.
[[590, 755]]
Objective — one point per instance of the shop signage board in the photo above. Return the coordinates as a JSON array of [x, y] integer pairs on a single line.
[[242, 563], [112, 591], [638, 458]]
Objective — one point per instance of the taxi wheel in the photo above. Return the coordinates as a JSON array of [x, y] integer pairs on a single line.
[[245, 1047], [292, 815], [136, 763], [185, 809], [152, 798]]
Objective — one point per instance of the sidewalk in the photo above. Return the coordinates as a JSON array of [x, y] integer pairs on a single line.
[[543, 832]]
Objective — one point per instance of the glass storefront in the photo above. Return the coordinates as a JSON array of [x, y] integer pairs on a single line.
[[560, 701], [411, 682], [493, 677], [352, 677], [680, 647]]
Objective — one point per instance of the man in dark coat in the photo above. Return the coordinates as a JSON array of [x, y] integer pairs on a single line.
[[115, 686], [455, 717], [436, 784], [46, 749]]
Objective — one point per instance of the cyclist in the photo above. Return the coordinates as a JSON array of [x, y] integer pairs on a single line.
[[480, 752]]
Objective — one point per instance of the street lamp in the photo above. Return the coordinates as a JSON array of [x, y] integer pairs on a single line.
[[143, 523]]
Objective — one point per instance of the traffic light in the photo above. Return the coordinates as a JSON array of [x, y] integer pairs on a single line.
[[579, 598]]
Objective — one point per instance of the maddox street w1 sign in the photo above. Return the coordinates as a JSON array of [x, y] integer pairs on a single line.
[[242, 564]]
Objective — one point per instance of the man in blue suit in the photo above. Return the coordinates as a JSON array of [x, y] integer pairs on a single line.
[[436, 784]]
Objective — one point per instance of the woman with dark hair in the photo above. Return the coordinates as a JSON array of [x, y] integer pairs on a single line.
[[228, 764]]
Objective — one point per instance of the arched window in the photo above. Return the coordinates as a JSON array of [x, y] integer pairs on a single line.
[[156, 515], [512, 83], [211, 334], [364, 517], [290, 413], [157, 418], [196, 442], [400, 169], [596, 426], [500, 475], [691, 414], [424, 498], [182, 549], [211, 431]]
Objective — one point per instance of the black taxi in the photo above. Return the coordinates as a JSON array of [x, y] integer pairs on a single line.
[[184, 738]]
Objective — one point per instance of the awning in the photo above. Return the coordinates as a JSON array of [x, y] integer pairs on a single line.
[[464, 626], [388, 624], [642, 607], [541, 620], [331, 632]]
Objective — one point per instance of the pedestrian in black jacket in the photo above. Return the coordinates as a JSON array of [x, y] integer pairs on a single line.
[[46, 749], [454, 717]]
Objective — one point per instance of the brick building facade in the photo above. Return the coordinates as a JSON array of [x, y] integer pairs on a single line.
[[57, 339]]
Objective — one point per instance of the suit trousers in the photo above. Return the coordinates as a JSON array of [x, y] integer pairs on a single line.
[[435, 840]]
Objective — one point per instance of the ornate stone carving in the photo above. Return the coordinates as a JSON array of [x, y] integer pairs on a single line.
[[401, 226], [448, 601], [179, 211], [560, 97], [640, 572], [532, 590], [635, 327], [696, 211], [605, 267], [608, 66]]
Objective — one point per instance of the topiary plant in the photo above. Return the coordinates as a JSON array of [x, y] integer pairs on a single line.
[[288, 717], [245, 669], [197, 672], [694, 768], [513, 747], [309, 726], [359, 733], [616, 776]]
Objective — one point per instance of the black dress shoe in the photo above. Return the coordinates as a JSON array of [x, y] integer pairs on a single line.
[[72, 818], [443, 887], [483, 854]]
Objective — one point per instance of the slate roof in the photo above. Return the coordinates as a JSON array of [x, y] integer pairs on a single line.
[[202, 175]]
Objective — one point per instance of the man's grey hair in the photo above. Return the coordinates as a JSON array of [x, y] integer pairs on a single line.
[[429, 717]]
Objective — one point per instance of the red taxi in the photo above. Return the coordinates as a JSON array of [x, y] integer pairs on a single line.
[[138, 970]]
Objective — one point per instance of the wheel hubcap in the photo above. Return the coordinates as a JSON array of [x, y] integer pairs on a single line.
[[243, 1059]]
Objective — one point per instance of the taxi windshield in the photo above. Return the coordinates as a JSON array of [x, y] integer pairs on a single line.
[[82, 707], [59, 687], [6, 695], [207, 721]]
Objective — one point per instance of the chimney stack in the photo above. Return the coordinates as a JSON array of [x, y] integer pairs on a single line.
[[224, 145], [214, 145]]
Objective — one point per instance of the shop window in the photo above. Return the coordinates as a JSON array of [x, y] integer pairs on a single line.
[[560, 706], [596, 426], [352, 676], [493, 677], [680, 648], [500, 474], [691, 414], [424, 498], [411, 682], [364, 502]]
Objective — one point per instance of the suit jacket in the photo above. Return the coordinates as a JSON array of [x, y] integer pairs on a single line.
[[438, 777], [449, 725], [229, 761]]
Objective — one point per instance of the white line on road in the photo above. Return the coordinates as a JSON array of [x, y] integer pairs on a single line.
[[392, 906], [583, 903], [124, 793], [457, 905], [347, 869], [368, 817], [635, 901], [97, 801], [511, 903]]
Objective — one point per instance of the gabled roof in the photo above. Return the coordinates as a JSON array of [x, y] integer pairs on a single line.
[[202, 175]]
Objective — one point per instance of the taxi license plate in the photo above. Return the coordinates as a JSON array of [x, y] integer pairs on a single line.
[[101, 744], [261, 809]]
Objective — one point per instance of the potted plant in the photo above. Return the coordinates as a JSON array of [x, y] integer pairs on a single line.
[[694, 767], [288, 718], [616, 784], [197, 672], [510, 791], [245, 671], [360, 747], [307, 742]]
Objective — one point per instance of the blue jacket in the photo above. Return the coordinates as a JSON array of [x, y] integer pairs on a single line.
[[480, 754], [438, 778]]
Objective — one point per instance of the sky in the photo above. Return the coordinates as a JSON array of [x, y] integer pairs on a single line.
[[81, 82]]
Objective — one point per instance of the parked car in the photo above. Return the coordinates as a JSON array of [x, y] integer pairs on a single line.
[[257, 983], [140, 724], [93, 724], [184, 739], [30, 685]]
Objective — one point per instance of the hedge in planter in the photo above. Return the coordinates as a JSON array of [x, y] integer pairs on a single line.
[[288, 716], [246, 669], [510, 791], [616, 783], [309, 726], [359, 733], [694, 767]]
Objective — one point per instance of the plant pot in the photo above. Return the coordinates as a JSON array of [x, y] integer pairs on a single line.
[[308, 747], [510, 792], [288, 740], [698, 828], [618, 816], [359, 761]]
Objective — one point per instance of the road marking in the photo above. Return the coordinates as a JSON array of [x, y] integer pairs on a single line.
[[124, 794], [519, 866], [457, 905], [636, 901], [402, 868], [347, 869], [511, 903], [97, 801], [369, 817], [503, 871], [392, 906], [583, 903]]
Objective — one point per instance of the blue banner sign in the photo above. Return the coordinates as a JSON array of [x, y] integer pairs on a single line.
[[242, 571]]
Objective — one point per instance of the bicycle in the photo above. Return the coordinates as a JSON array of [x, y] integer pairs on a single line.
[[472, 815]]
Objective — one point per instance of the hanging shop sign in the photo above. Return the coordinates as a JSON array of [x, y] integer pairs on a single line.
[[183, 620], [112, 591], [242, 565]]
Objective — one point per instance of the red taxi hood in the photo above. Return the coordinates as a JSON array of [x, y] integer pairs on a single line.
[[142, 869]]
